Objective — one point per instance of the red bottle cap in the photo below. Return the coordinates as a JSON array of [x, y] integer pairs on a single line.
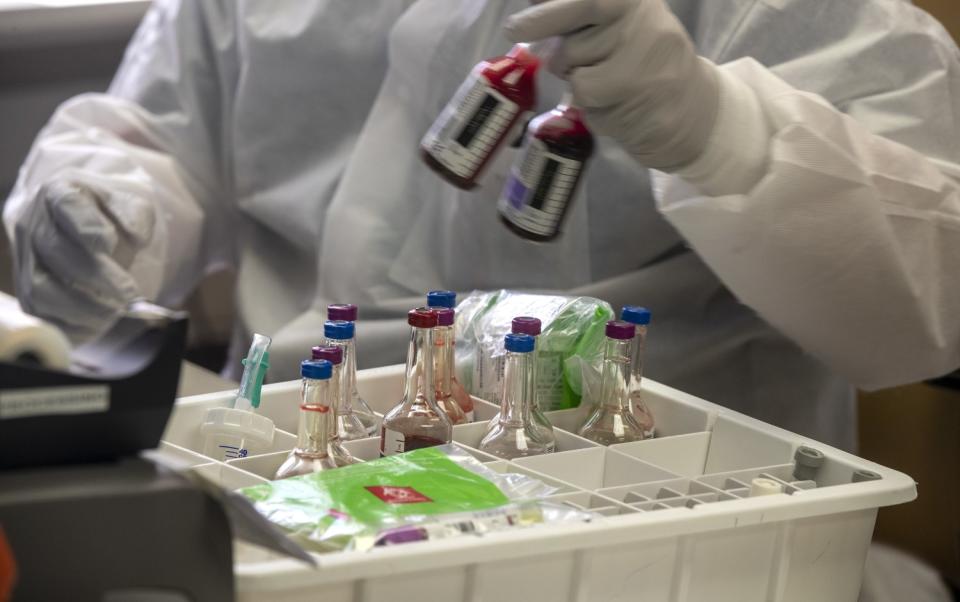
[[422, 317]]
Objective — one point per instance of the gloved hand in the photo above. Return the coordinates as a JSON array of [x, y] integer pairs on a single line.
[[633, 69], [73, 247]]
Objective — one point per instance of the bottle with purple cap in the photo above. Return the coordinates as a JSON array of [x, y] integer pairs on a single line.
[[533, 326], [640, 318], [312, 453], [443, 365], [347, 423], [343, 336], [612, 421], [514, 434], [448, 300]]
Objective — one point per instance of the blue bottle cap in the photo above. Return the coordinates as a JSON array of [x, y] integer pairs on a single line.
[[316, 369], [635, 314], [338, 329], [442, 299], [519, 343]]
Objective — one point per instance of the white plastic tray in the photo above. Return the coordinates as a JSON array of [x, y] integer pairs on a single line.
[[677, 523]]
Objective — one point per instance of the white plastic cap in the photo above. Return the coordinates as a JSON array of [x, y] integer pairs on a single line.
[[761, 486], [239, 423]]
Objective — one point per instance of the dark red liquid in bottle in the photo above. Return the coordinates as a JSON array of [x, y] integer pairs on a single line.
[[544, 177], [484, 112]]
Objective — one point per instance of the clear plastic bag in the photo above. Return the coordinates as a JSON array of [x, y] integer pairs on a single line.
[[351, 507], [570, 346]]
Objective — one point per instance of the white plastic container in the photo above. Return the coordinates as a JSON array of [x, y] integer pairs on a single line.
[[678, 520]]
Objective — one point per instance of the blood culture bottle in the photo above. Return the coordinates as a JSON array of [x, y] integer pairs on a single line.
[[448, 299], [340, 335], [514, 434], [488, 108], [443, 365], [531, 326], [612, 421], [640, 318], [544, 176], [417, 421], [349, 426], [312, 453]]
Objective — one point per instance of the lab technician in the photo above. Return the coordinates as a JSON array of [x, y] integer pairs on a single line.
[[775, 179]]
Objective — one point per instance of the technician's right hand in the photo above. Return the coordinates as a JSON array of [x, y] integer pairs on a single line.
[[73, 247]]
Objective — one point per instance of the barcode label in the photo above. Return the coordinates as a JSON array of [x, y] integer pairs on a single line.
[[469, 128], [83, 399], [538, 192]]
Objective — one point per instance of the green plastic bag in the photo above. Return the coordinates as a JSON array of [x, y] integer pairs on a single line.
[[568, 348], [346, 508]]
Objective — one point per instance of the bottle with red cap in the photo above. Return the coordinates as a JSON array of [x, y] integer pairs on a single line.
[[488, 108], [347, 423], [417, 421], [544, 176], [612, 421], [448, 300], [341, 336], [312, 453], [443, 365]]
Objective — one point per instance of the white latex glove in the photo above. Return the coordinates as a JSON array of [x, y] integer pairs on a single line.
[[74, 245], [635, 72]]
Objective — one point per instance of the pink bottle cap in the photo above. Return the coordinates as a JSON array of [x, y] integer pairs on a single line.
[[526, 325], [334, 355], [445, 316], [422, 317], [342, 311], [620, 331]]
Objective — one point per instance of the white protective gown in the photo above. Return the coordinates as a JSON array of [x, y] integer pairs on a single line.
[[284, 143]]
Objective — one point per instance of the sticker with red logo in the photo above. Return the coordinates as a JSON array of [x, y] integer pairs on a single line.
[[398, 495]]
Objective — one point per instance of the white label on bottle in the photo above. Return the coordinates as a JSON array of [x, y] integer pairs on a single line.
[[470, 126], [393, 442], [538, 192], [84, 399]]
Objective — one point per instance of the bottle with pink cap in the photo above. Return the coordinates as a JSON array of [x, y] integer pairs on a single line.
[[533, 327], [347, 423], [345, 337], [448, 300], [443, 346], [612, 421]]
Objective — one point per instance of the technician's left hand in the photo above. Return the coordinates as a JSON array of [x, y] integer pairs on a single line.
[[635, 72]]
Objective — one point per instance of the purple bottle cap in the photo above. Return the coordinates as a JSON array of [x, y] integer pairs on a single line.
[[444, 316], [526, 325], [621, 331], [334, 355], [342, 311]]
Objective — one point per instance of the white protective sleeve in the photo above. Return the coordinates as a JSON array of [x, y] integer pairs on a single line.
[[152, 136], [846, 241]]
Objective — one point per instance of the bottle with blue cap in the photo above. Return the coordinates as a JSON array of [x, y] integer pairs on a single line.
[[612, 421], [515, 435], [640, 318], [417, 421], [340, 331], [317, 421]]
